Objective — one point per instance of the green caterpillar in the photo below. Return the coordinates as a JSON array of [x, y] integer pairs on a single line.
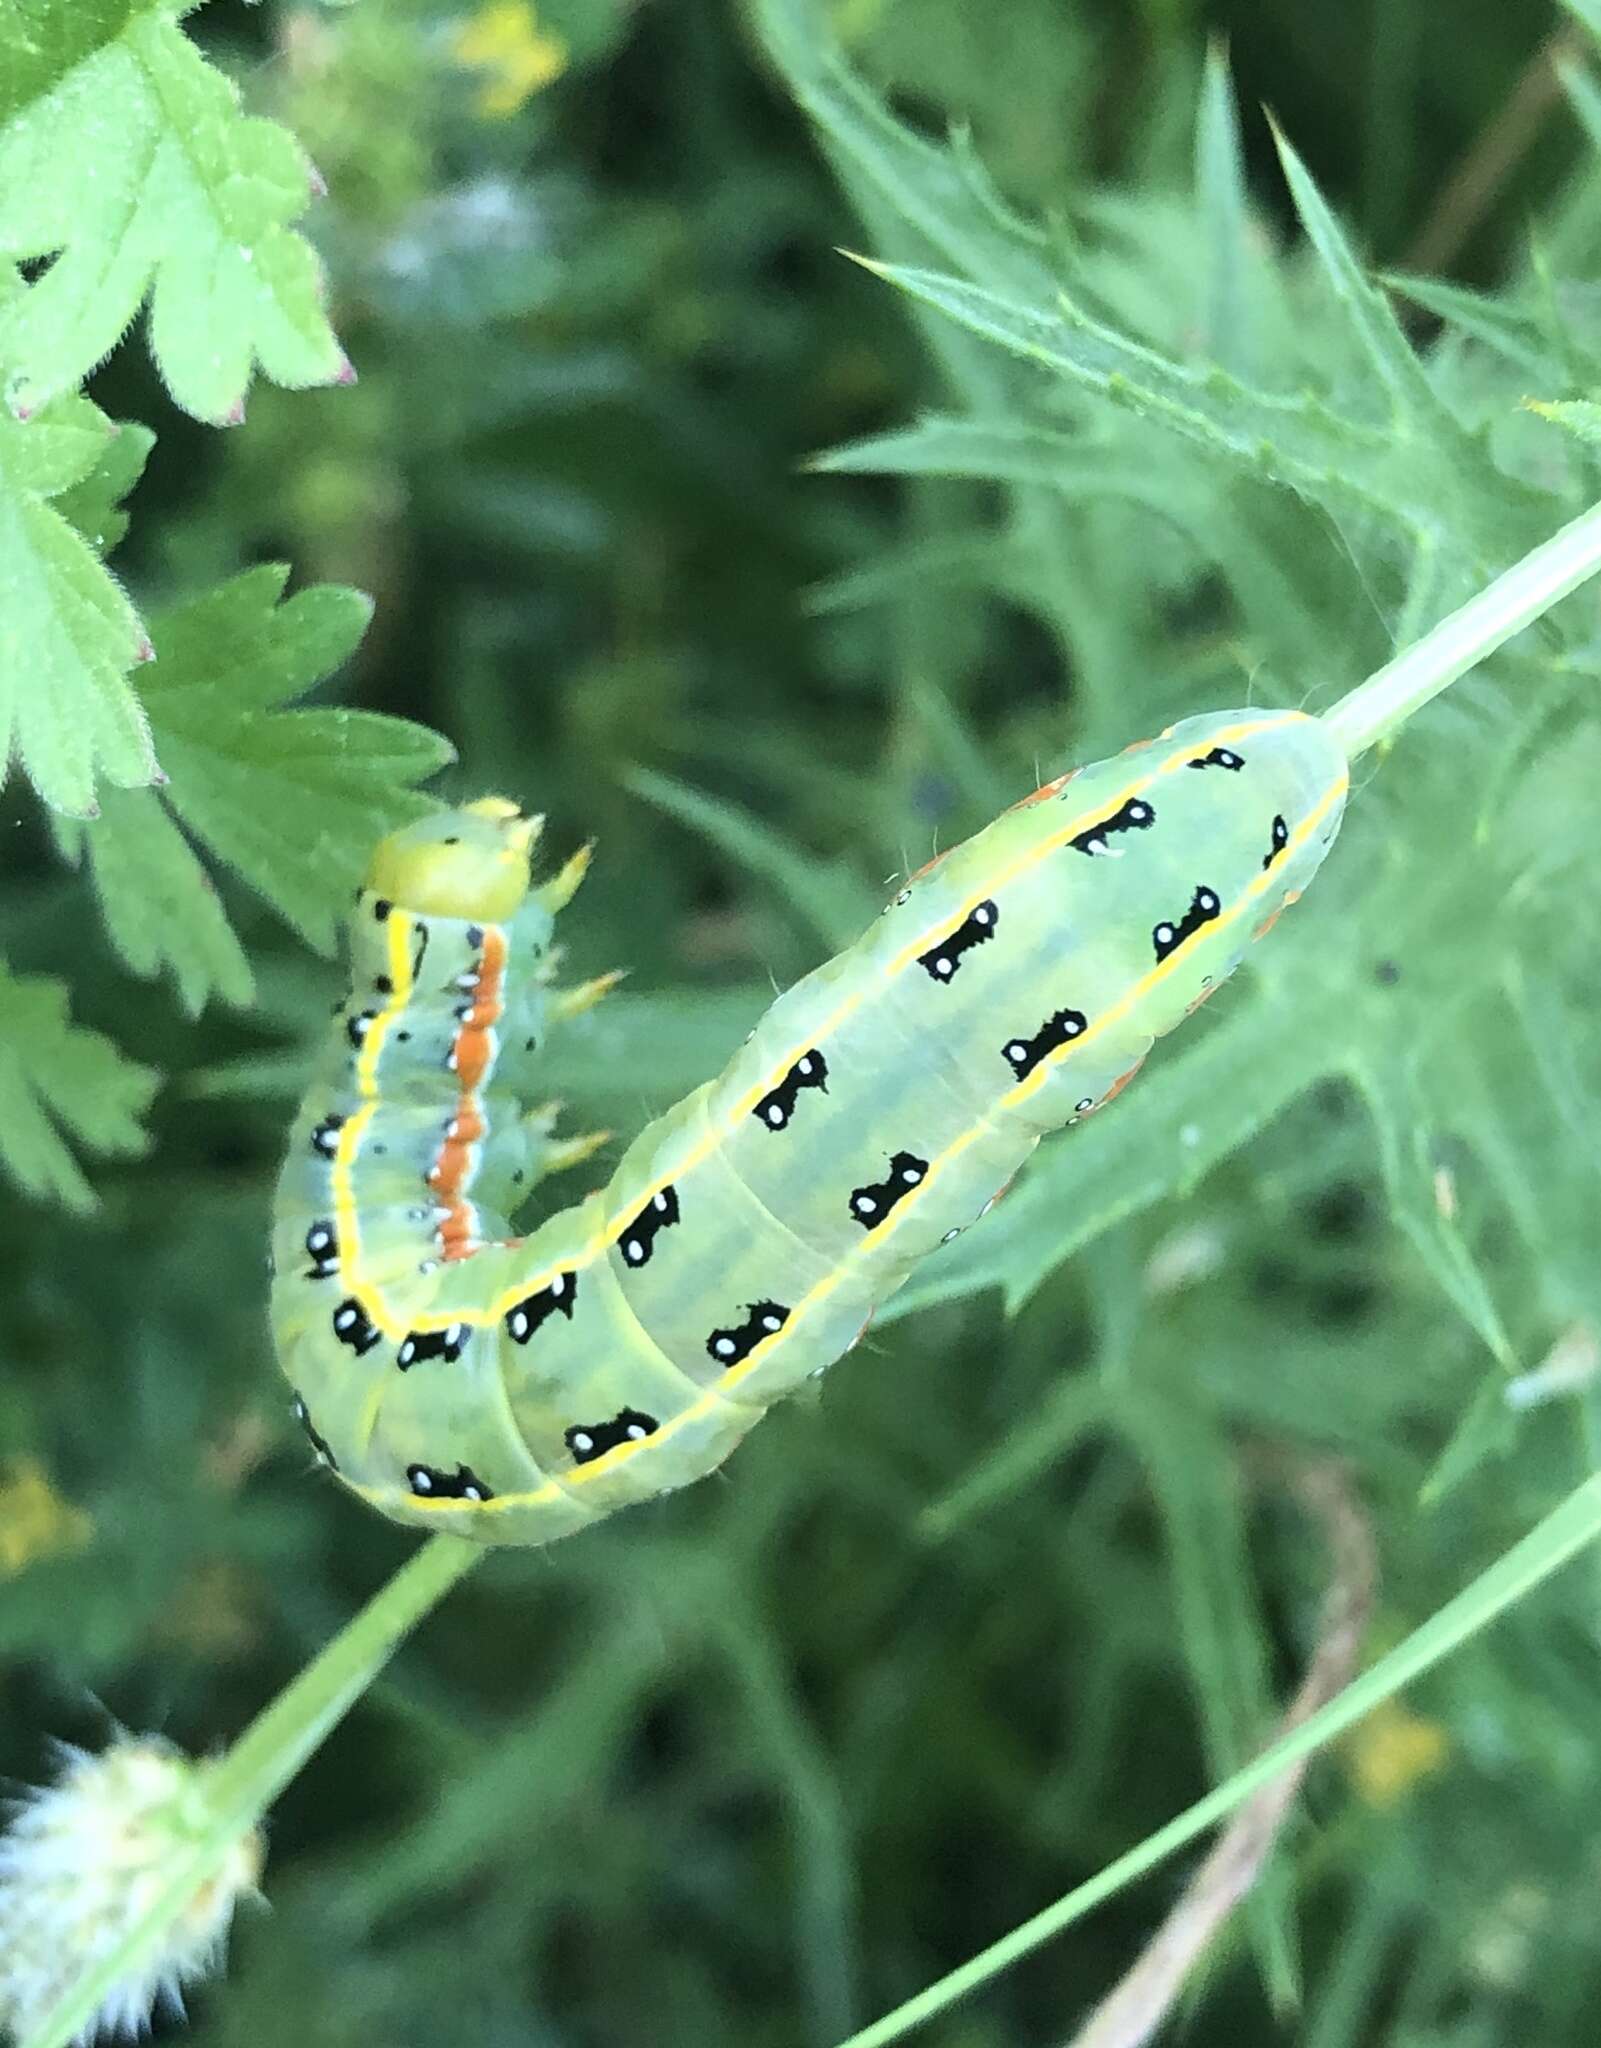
[[516, 1389]]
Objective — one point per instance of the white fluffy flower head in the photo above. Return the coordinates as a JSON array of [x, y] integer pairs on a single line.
[[83, 1861]]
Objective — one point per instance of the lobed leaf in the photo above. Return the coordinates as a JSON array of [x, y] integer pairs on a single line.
[[68, 634], [131, 168], [60, 1081]]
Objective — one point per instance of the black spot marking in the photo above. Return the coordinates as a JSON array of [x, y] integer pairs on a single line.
[[1168, 937], [322, 1248], [639, 1238], [941, 962], [383, 985], [731, 1346], [447, 1344], [357, 1027], [871, 1204], [1023, 1055], [560, 1297], [302, 1415], [777, 1106], [429, 1483], [1386, 973], [475, 936], [417, 952], [381, 908], [325, 1136], [590, 1440], [1281, 839], [1219, 757], [352, 1327], [1134, 816]]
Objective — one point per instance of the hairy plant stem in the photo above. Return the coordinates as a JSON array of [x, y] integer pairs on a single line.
[[1377, 708], [244, 1783]]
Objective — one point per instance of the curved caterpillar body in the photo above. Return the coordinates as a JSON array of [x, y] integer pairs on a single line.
[[513, 1390]]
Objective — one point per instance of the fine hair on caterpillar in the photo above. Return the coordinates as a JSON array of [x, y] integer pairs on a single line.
[[514, 1389]]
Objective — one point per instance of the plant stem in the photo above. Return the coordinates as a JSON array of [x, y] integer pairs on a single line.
[[241, 1787], [1389, 697]]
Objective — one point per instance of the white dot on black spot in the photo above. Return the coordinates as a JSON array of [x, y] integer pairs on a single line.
[[421, 1483], [1087, 1103], [911, 1176], [519, 1323], [1074, 1027], [865, 1205], [949, 1236], [1164, 932], [1017, 1050], [804, 1066], [1208, 900], [659, 1201], [1139, 812], [723, 1346], [471, 1493], [772, 1323], [633, 1251], [982, 914], [582, 1440], [775, 1115], [456, 1334], [636, 1430], [406, 1352], [904, 897], [944, 967], [558, 1286], [344, 1319]]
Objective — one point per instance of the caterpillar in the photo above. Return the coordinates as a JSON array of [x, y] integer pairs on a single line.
[[515, 1389]]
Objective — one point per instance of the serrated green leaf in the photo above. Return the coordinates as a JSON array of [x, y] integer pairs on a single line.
[[292, 800], [1581, 416], [159, 904], [1339, 463], [1367, 312], [57, 1077], [44, 39], [135, 170], [94, 506], [68, 635]]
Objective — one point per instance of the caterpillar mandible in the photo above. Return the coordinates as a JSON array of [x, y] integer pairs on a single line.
[[515, 1389]]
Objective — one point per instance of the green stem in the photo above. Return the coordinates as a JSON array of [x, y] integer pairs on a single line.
[[1374, 709], [1564, 1532], [241, 1787]]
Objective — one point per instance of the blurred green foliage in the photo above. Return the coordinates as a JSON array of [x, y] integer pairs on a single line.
[[755, 1763]]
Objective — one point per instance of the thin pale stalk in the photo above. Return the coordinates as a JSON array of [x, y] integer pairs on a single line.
[[1564, 1532], [264, 1759], [1380, 706]]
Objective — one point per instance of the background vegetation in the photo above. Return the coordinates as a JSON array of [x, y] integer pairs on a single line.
[[1036, 1566]]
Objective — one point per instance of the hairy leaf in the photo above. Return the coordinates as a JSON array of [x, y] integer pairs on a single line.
[[133, 169]]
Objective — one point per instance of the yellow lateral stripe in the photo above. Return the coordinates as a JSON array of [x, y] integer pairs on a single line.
[[347, 1228], [609, 1459], [614, 1229]]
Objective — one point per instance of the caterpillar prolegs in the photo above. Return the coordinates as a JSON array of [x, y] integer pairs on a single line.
[[515, 1389]]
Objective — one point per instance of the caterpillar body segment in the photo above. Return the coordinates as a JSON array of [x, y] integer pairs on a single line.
[[517, 1389]]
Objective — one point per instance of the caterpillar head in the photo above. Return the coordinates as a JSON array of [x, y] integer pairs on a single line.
[[471, 862]]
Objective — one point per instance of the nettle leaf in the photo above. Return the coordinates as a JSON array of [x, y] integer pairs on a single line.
[[68, 635], [57, 1077], [291, 800], [135, 171]]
